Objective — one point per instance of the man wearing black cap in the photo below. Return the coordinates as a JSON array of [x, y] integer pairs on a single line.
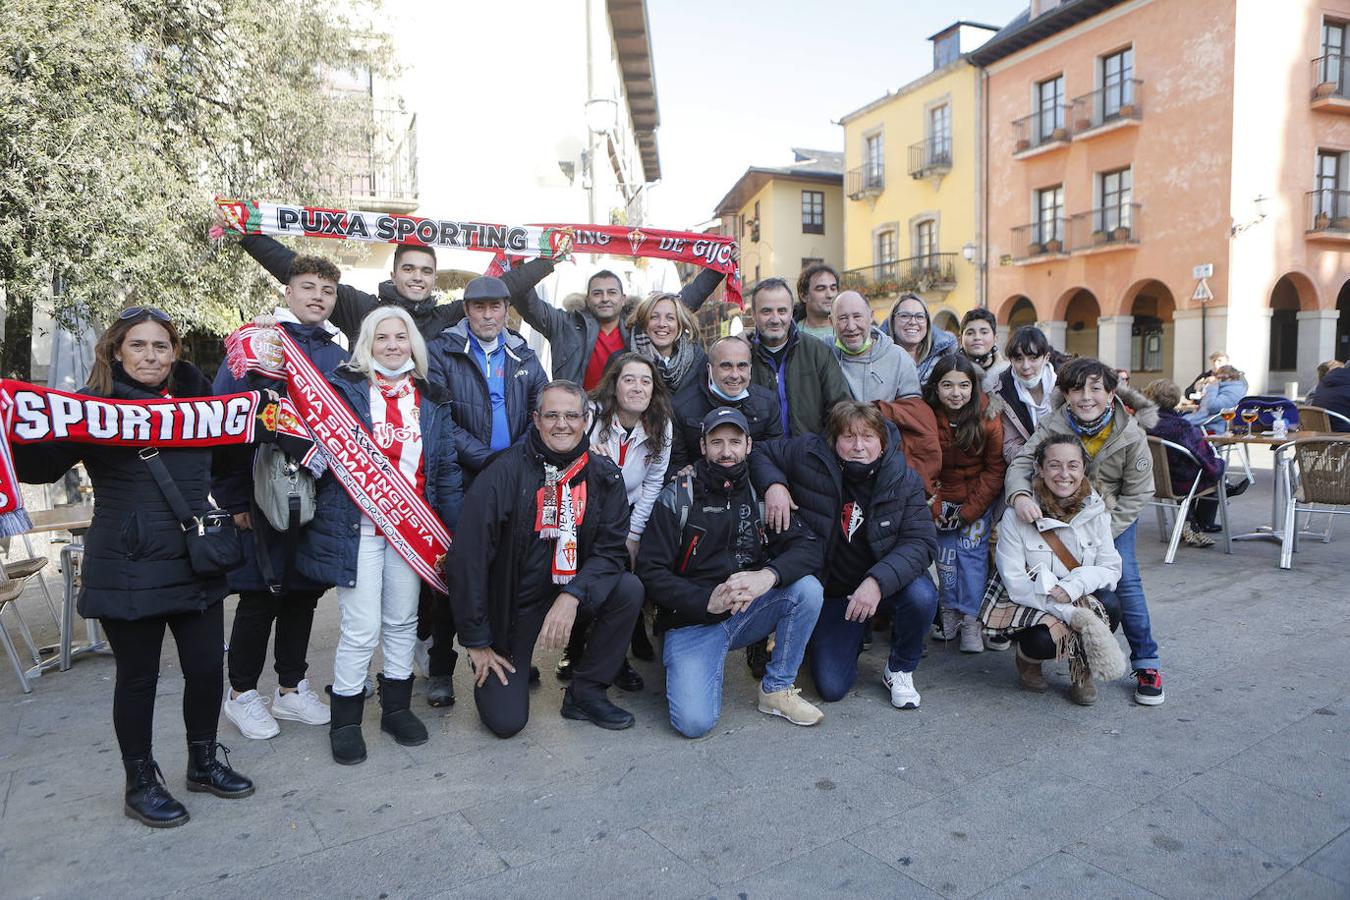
[[721, 581], [494, 378]]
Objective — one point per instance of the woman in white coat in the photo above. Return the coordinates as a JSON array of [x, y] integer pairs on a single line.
[[632, 427], [1049, 571]]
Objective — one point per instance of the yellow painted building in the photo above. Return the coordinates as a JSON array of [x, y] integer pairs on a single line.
[[912, 163], [786, 218]]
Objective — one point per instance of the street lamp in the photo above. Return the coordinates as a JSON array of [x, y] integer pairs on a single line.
[[601, 115], [968, 251]]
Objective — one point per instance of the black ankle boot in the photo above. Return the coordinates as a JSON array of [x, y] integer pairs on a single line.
[[148, 800], [396, 716], [206, 773], [344, 729]]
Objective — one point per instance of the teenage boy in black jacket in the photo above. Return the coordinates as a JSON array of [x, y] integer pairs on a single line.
[[858, 496], [720, 582], [542, 534]]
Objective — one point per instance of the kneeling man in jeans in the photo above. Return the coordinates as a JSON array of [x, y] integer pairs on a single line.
[[720, 581]]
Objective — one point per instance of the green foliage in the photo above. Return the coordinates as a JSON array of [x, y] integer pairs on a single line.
[[120, 119]]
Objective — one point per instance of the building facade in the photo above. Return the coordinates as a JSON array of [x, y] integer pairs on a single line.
[[1130, 142], [913, 162], [787, 217]]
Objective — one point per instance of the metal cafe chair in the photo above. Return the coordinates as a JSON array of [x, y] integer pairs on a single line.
[[1315, 471], [1165, 499]]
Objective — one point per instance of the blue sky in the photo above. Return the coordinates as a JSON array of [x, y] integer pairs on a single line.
[[739, 82]]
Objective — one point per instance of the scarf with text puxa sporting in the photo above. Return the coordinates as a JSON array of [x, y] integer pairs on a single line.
[[372, 481], [547, 241], [30, 414]]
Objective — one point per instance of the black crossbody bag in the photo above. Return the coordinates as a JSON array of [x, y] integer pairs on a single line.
[[213, 543]]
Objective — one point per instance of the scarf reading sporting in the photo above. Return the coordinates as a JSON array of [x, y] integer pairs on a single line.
[[549, 241], [30, 413], [368, 476]]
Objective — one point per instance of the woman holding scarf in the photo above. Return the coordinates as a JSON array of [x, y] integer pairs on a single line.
[[663, 331], [136, 578], [968, 485], [631, 427], [385, 386]]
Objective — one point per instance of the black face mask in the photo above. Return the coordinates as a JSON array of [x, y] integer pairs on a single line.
[[860, 471], [717, 476]]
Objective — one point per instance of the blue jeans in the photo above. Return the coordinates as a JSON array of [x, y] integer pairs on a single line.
[[1129, 596], [963, 565], [696, 655], [833, 650]]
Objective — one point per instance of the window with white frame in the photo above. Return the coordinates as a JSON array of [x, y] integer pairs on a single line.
[[940, 135], [874, 161], [1049, 107], [813, 212], [1329, 198], [1333, 53], [925, 243], [1113, 195], [1117, 82], [1050, 214], [885, 252]]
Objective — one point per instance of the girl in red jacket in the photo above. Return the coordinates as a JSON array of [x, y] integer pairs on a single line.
[[970, 481]]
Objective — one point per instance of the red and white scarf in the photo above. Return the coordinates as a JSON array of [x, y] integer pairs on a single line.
[[375, 484], [519, 241], [30, 413], [560, 508], [396, 426]]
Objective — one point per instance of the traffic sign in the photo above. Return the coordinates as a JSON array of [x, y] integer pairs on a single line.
[[1203, 271], [1202, 291]]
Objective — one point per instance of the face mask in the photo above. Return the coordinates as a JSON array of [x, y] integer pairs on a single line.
[[393, 373], [712, 385], [859, 471], [734, 473], [1032, 382]]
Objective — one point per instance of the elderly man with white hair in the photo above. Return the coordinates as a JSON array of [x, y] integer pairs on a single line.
[[873, 365]]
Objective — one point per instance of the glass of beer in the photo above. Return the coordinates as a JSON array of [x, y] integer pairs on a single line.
[[1249, 415]]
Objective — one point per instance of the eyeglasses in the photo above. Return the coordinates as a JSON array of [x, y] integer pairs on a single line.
[[132, 312], [909, 317], [554, 417]]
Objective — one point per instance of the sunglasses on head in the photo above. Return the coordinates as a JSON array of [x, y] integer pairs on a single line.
[[132, 312]]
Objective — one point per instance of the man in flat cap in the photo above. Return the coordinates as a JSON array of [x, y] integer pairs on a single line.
[[494, 379], [721, 581]]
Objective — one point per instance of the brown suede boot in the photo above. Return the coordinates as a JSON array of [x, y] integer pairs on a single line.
[[1083, 692], [1029, 673]]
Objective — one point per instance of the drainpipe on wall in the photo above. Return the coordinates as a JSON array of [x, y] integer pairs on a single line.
[[982, 189], [590, 94]]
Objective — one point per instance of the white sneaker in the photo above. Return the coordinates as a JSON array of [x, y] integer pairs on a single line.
[[948, 626], [903, 695], [249, 714], [422, 657], [972, 635], [300, 705]]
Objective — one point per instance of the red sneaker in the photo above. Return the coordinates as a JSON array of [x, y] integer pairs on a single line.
[[1149, 689]]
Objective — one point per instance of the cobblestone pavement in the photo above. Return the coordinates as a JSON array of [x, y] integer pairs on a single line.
[[1239, 785]]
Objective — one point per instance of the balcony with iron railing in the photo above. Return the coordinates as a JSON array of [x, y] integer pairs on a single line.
[[1327, 216], [932, 157], [934, 271], [866, 181], [1329, 84], [1108, 108], [1041, 131], [1105, 229], [1038, 241], [378, 165]]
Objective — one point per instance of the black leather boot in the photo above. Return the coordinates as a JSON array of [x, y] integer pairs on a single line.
[[396, 717], [344, 729], [148, 800], [207, 774]]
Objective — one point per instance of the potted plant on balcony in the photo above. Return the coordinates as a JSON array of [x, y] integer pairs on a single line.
[[1022, 144], [1054, 245], [1321, 222], [1083, 124], [1325, 89], [1059, 134], [1120, 233], [1128, 111]]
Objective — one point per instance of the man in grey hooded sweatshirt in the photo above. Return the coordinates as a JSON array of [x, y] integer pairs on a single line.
[[873, 365]]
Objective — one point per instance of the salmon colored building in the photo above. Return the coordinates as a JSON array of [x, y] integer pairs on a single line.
[[1131, 141]]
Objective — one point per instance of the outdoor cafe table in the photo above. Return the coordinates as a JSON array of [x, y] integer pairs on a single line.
[[1271, 532], [68, 518]]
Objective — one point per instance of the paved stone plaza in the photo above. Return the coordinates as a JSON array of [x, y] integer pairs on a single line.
[[1238, 786]]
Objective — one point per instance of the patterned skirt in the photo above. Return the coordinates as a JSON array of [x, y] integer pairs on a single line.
[[1001, 616]]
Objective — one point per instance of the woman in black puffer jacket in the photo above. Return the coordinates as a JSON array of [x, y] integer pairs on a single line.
[[136, 579]]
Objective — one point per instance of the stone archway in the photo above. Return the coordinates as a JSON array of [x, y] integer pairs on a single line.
[[1284, 309], [1343, 323], [1080, 314], [947, 321], [1023, 312], [1152, 331]]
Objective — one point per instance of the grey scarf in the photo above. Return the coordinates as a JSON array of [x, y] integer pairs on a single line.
[[673, 370]]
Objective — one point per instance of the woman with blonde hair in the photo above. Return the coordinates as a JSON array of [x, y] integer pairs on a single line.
[[662, 329], [385, 386]]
